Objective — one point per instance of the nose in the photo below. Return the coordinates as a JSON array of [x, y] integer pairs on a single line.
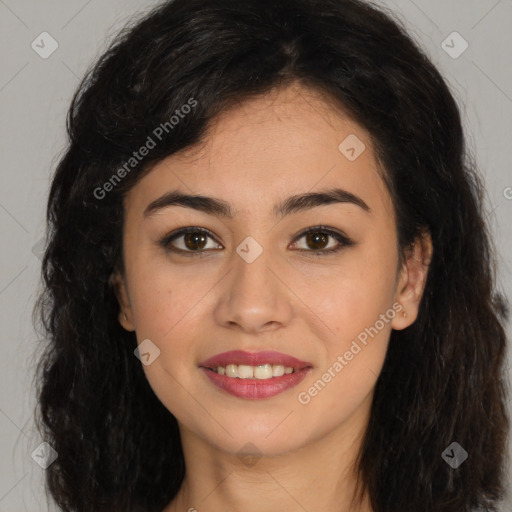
[[254, 295]]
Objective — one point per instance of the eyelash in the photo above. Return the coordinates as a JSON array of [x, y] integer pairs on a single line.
[[165, 242]]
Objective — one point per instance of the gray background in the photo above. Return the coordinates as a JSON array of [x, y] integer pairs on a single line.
[[34, 97]]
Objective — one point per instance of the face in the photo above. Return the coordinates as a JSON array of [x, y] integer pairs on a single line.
[[246, 277]]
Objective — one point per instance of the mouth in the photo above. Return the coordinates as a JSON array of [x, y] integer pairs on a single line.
[[254, 375]]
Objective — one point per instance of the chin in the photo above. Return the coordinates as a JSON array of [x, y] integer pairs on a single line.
[[267, 437]]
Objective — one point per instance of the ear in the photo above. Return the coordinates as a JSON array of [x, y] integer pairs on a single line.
[[412, 280], [125, 317]]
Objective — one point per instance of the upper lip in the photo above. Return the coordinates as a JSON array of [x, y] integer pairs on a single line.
[[253, 359]]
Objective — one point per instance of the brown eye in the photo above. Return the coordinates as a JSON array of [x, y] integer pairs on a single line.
[[194, 241], [317, 240], [190, 241]]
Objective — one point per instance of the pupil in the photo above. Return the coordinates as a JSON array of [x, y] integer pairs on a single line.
[[317, 238], [195, 239]]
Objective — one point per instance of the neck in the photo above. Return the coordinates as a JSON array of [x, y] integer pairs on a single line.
[[317, 476]]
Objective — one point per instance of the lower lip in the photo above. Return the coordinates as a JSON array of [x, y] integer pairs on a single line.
[[256, 388]]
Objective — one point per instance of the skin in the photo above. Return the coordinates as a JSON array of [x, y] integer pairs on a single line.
[[255, 155]]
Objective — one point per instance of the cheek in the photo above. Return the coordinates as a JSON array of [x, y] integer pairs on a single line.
[[171, 307], [163, 296], [166, 306], [357, 306], [351, 294], [342, 385]]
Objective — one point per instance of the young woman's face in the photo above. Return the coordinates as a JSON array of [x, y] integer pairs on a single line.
[[252, 281]]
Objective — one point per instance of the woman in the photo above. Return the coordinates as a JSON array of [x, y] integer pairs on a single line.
[[269, 284]]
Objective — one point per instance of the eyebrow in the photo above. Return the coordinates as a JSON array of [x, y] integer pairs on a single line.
[[292, 204]]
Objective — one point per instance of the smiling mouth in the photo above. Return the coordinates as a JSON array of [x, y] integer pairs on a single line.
[[254, 375]]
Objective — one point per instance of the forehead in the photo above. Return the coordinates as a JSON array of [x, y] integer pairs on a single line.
[[290, 141]]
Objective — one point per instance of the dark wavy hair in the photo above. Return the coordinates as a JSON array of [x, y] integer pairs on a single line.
[[443, 378]]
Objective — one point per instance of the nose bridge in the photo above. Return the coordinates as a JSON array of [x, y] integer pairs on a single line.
[[255, 297], [251, 275]]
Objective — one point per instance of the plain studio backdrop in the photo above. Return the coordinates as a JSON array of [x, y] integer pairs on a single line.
[[469, 41]]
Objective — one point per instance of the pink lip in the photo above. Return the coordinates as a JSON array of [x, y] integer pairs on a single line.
[[255, 388], [253, 359]]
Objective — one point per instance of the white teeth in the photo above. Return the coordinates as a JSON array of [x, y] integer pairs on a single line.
[[277, 370], [232, 370], [245, 372], [263, 371]]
